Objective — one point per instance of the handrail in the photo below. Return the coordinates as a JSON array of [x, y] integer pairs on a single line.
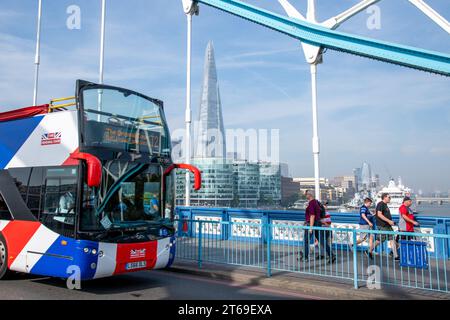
[[53, 107], [303, 227]]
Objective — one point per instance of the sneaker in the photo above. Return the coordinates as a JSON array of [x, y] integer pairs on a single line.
[[331, 260], [397, 258], [391, 254], [370, 255], [303, 259]]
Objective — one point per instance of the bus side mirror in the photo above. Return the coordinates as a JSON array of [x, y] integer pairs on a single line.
[[194, 170], [94, 168]]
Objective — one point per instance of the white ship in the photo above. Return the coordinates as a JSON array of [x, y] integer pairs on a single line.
[[353, 205], [397, 193], [300, 205]]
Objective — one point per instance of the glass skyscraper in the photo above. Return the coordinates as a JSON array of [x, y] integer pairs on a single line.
[[225, 182]]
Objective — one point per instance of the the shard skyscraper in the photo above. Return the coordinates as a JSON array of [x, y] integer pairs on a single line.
[[211, 134]]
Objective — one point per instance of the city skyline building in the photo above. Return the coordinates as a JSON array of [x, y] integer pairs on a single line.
[[269, 183], [366, 176], [227, 179], [210, 142], [246, 184]]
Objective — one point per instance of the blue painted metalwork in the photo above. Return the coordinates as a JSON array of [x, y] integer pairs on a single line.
[[200, 229], [416, 58], [269, 247], [287, 256], [355, 261]]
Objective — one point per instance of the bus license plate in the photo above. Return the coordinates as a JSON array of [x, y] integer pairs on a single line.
[[136, 265]]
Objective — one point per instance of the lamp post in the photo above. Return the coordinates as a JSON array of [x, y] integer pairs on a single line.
[[37, 58], [102, 58], [102, 42], [190, 8]]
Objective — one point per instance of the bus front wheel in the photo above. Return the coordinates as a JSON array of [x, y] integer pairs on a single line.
[[3, 258]]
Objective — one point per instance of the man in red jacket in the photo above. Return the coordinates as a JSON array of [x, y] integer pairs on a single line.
[[407, 221]]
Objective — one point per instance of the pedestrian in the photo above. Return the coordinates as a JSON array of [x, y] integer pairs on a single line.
[[328, 234], [366, 222], [407, 221], [312, 219], [385, 223]]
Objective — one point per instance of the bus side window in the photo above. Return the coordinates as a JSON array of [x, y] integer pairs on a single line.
[[35, 191], [21, 176], [29, 184], [169, 201], [4, 211], [59, 203]]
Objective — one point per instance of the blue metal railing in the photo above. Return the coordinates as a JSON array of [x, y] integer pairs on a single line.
[[432, 225], [422, 258]]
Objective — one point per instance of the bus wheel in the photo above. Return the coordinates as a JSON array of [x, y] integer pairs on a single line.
[[3, 258]]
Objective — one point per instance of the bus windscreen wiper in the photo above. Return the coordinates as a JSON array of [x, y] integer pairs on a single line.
[[117, 184]]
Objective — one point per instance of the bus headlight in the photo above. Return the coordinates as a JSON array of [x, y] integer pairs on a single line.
[[86, 250], [163, 232], [94, 252]]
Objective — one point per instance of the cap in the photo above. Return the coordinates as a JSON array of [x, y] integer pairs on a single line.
[[406, 199]]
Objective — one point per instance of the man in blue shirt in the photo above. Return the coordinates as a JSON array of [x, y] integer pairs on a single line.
[[366, 222]]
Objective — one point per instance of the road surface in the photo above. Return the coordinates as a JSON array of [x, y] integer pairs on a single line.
[[147, 285]]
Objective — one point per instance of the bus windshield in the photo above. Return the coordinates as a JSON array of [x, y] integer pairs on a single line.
[[129, 198], [122, 120]]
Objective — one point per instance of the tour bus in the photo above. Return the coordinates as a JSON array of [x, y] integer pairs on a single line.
[[87, 184]]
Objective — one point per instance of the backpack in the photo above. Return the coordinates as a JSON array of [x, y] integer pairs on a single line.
[[323, 212]]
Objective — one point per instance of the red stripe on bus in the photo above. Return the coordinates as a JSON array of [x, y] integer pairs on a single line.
[[71, 161], [17, 234], [135, 254]]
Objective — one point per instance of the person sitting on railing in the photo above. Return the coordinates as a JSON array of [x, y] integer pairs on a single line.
[[385, 224]]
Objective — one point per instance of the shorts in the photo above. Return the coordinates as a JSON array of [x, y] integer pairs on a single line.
[[385, 237], [364, 235]]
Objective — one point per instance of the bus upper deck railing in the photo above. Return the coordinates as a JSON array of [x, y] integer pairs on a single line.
[[422, 258], [54, 106]]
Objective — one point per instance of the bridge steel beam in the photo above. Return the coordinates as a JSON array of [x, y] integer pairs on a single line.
[[416, 58]]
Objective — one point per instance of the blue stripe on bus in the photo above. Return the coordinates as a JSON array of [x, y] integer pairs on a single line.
[[13, 134], [59, 258], [172, 252]]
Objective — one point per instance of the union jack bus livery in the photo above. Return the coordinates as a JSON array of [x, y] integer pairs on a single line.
[[87, 183]]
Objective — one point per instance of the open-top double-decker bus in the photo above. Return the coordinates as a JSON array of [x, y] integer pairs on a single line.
[[88, 183]]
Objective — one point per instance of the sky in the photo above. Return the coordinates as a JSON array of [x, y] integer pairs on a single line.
[[395, 118]]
